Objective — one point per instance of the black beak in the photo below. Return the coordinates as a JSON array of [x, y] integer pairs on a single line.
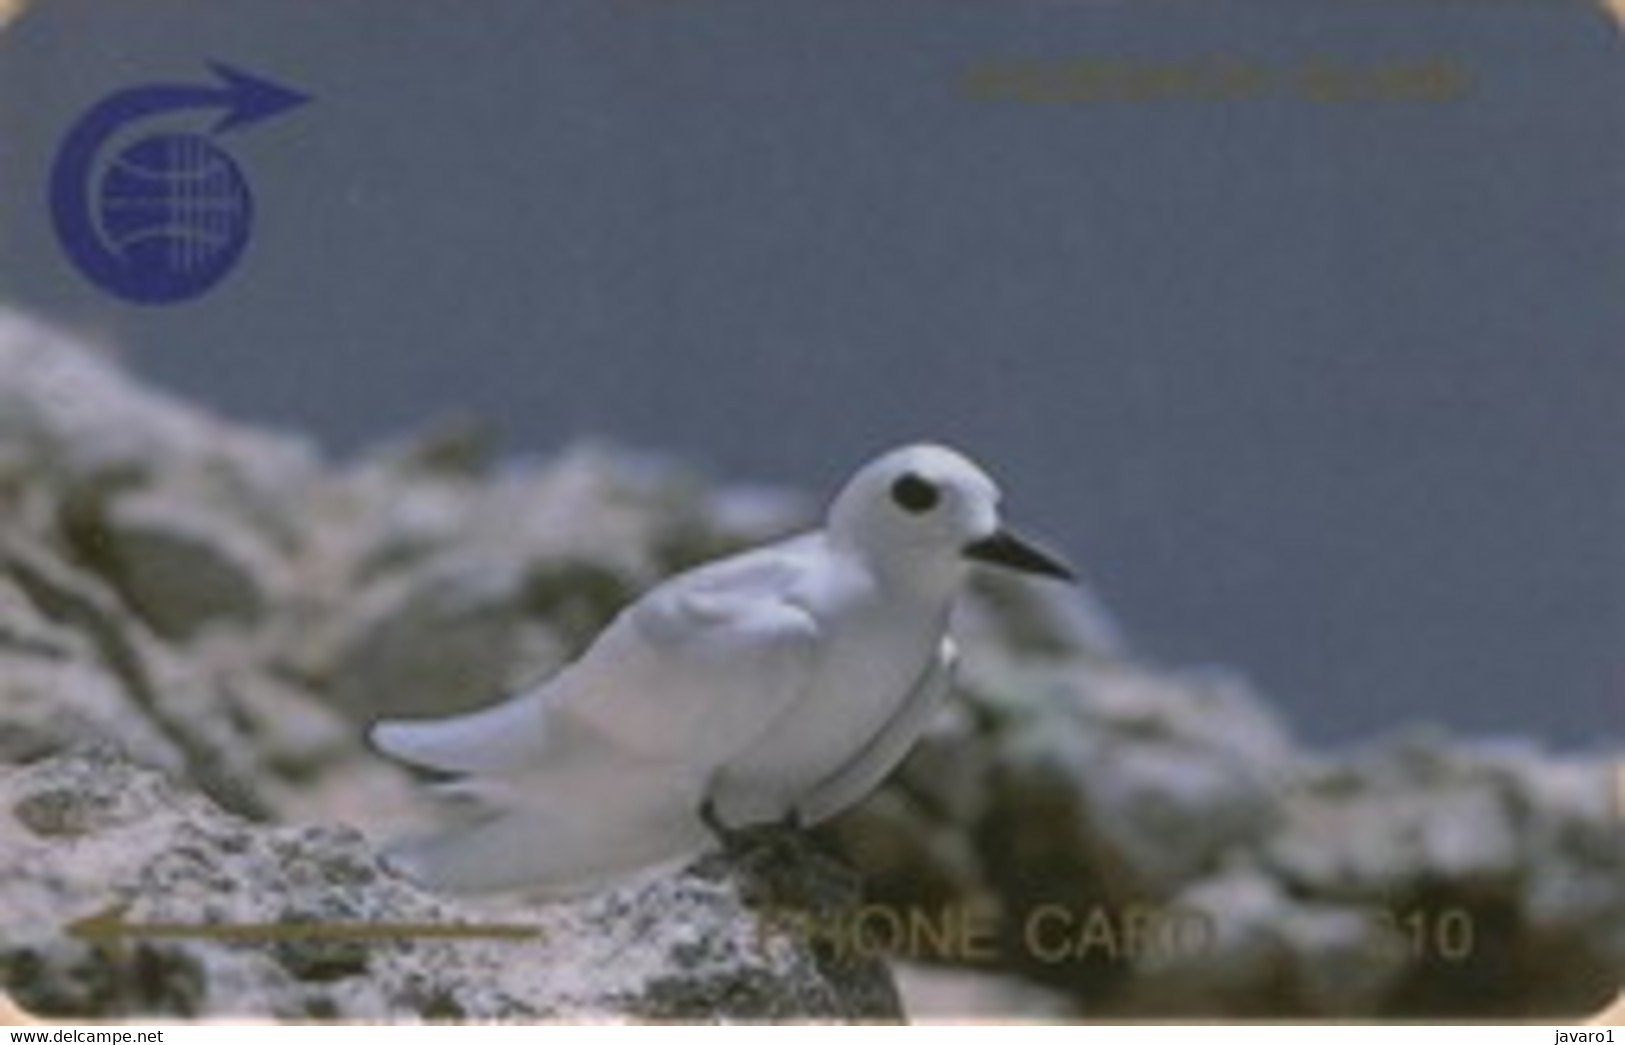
[[1006, 549]]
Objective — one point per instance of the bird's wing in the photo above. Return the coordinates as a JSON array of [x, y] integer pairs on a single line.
[[864, 771], [701, 666], [607, 764], [721, 642], [493, 740]]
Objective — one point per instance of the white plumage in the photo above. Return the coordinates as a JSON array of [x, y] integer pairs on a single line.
[[788, 680]]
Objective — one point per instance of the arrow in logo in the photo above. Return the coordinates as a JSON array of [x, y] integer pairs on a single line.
[[245, 99]]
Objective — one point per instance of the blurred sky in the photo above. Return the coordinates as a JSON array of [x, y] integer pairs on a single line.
[[1326, 390]]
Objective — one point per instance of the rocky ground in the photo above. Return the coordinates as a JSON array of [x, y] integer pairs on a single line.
[[196, 618], [92, 832]]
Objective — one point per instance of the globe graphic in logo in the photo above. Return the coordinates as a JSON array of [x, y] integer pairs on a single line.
[[177, 210]]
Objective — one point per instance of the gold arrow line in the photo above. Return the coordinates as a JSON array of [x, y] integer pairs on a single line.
[[109, 926]]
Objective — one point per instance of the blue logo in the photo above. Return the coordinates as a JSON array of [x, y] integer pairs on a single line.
[[167, 215]]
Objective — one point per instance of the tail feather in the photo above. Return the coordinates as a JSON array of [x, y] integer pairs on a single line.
[[550, 849], [584, 817], [495, 740]]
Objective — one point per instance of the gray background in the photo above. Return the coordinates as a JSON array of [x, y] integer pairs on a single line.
[[1330, 392]]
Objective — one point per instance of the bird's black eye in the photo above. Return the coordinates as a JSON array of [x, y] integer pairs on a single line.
[[914, 494]]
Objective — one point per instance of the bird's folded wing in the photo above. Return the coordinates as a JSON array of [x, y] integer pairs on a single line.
[[494, 740], [620, 749], [695, 674], [689, 674], [865, 770]]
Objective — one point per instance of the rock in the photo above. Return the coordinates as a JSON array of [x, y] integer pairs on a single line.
[[910, 859], [81, 670], [460, 592], [156, 683], [458, 444], [1493, 861], [372, 522], [178, 564], [1267, 953], [677, 946], [71, 418], [592, 505], [1041, 620], [1371, 830], [936, 993], [54, 693], [1613, 1016], [220, 604], [742, 515], [1118, 786], [449, 636]]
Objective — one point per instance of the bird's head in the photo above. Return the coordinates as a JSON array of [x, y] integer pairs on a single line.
[[928, 513]]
